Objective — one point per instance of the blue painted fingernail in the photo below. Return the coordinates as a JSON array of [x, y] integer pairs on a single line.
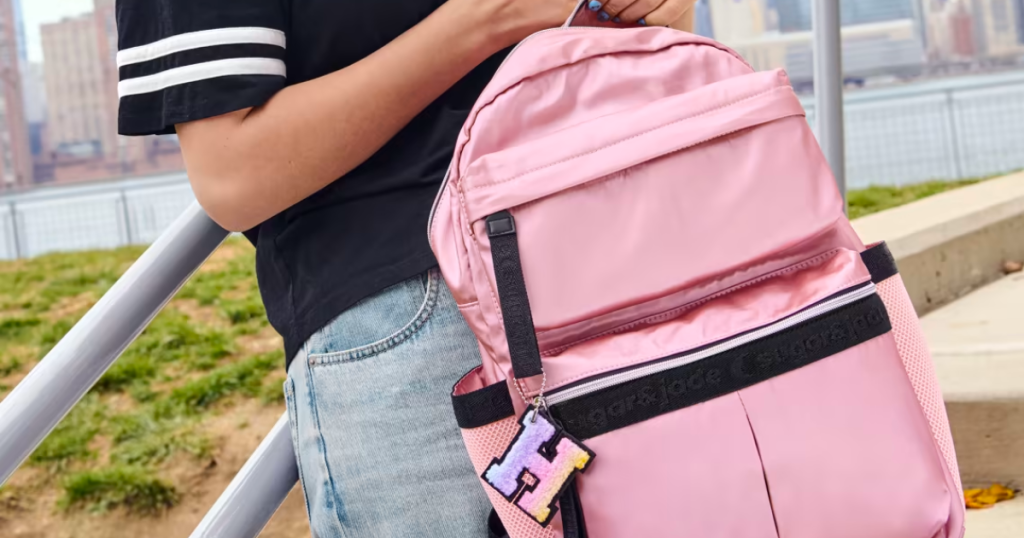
[[594, 5], [616, 19], [642, 22], [603, 17]]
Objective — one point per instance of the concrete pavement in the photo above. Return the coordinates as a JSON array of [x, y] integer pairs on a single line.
[[978, 346]]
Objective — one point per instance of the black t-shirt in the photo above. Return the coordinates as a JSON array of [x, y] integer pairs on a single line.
[[184, 60]]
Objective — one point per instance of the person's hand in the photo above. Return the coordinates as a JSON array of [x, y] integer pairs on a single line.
[[511, 21], [643, 12]]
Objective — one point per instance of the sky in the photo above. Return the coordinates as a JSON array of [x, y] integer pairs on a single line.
[[36, 12]]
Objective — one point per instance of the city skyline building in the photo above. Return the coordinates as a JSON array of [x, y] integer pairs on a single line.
[[116, 148], [15, 155], [1019, 7], [951, 31], [78, 140], [75, 88], [737, 20], [19, 32], [33, 84], [996, 28], [796, 16], [869, 50]]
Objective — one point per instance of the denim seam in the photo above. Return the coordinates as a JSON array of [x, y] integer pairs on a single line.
[[363, 352], [293, 418], [333, 490]]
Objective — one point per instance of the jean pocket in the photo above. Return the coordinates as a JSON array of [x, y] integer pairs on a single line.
[[377, 324]]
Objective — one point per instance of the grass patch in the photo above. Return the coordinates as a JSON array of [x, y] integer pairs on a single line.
[[36, 285], [15, 328], [232, 290], [170, 338], [863, 202], [243, 377], [72, 436], [129, 370], [131, 487], [273, 391], [110, 449], [141, 439], [9, 366]]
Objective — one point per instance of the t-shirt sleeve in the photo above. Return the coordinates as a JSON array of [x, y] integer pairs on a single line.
[[186, 60]]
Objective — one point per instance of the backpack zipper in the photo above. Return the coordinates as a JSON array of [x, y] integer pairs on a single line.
[[447, 175], [675, 361]]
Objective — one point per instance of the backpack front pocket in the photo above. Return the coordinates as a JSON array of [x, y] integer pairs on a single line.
[[657, 183], [807, 425]]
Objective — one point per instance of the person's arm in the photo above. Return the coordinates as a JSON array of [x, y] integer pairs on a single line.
[[249, 165]]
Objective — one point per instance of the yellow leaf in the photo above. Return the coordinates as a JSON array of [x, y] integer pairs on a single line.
[[987, 497]]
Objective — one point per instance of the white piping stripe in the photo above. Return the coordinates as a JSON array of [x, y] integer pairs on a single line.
[[198, 40], [203, 71]]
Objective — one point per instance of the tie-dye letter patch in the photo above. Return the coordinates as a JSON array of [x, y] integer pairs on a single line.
[[548, 455]]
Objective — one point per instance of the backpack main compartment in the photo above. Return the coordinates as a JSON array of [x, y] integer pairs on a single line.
[[708, 322]]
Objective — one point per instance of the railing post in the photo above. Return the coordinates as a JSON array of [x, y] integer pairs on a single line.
[[12, 208], [828, 86], [127, 216], [954, 135], [71, 368]]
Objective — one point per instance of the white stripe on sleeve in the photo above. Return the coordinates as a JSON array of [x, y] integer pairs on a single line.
[[201, 71], [197, 40]]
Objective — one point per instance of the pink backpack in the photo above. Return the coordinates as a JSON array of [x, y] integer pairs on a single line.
[[682, 336]]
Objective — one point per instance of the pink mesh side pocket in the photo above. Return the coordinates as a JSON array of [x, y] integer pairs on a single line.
[[485, 444], [917, 360]]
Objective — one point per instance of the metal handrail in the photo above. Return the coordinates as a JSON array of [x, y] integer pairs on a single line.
[[257, 491], [60, 380], [70, 369]]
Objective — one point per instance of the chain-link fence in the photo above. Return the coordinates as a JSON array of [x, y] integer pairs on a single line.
[[957, 128], [130, 212], [951, 129]]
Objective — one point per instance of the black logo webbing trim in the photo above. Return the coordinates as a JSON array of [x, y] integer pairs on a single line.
[[623, 405]]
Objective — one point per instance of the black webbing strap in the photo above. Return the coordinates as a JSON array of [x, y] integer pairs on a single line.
[[482, 407], [495, 529], [573, 525], [515, 305], [879, 262]]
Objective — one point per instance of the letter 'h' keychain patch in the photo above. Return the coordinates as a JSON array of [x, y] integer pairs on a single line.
[[538, 466]]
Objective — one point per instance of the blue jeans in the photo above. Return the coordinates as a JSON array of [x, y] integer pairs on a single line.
[[379, 452]]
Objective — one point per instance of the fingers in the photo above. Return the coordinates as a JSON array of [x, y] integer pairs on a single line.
[[614, 7], [640, 10], [665, 14], [644, 12]]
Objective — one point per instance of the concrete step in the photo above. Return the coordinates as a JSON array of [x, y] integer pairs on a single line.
[[1004, 520], [978, 346]]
